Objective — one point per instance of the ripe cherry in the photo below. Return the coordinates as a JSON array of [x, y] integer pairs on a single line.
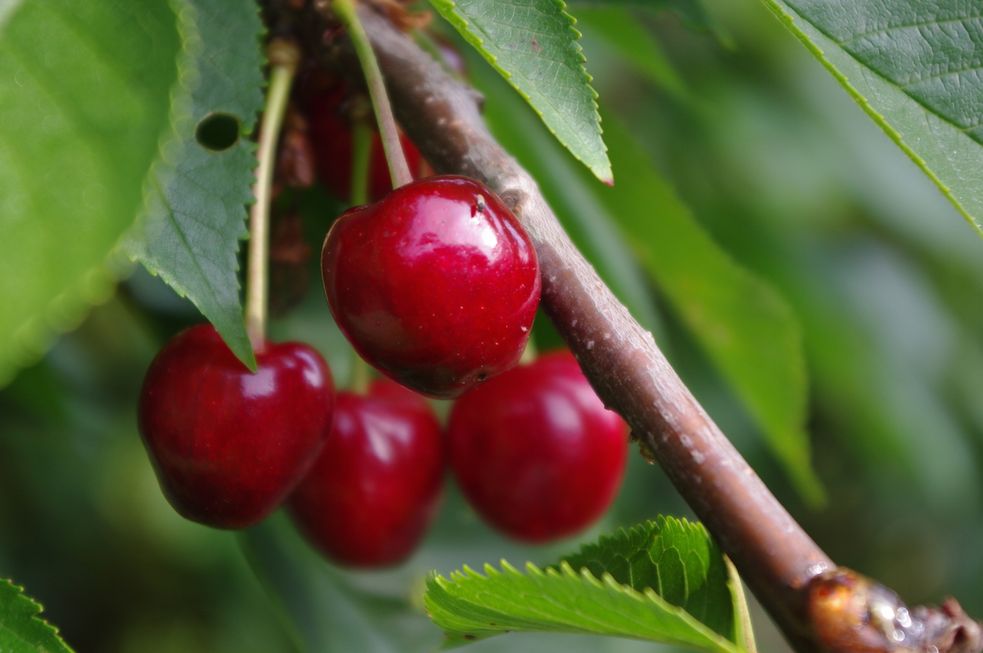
[[375, 486], [436, 284], [229, 445], [535, 452], [330, 131]]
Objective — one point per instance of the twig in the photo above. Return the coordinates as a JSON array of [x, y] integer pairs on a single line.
[[780, 562]]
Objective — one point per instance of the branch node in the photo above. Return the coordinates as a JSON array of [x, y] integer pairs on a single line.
[[850, 613]]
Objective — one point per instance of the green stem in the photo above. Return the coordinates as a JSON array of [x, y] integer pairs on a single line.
[[399, 171], [284, 57], [361, 155], [360, 377], [529, 353]]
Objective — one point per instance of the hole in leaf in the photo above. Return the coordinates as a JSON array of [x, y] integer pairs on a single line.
[[217, 131]]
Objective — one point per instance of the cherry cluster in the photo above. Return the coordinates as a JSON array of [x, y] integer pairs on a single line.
[[436, 285]]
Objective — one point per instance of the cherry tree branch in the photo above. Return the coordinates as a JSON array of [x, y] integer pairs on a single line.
[[791, 576]]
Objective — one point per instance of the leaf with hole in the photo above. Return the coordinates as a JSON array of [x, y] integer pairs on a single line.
[[22, 630], [194, 215], [917, 69], [84, 95], [596, 591], [533, 44]]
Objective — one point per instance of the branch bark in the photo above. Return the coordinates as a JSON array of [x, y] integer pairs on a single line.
[[791, 576]]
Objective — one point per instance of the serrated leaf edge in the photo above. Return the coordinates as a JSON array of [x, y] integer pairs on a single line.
[[38, 610], [169, 147], [786, 17], [467, 574], [457, 19]]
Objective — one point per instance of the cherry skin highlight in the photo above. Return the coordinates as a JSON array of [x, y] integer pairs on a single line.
[[229, 445], [436, 285], [535, 452], [376, 485], [330, 130]]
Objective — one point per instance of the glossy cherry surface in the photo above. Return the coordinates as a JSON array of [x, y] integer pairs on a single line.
[[229, 445], [375, 487], [535, 452], [436, 284], [330, 130]]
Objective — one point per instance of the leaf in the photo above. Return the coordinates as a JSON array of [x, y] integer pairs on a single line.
[[84, 91], [747, 329], [22, 630], [194, 215], [677, 559], [743, 628], [683, 564], [533, 44], [917, 69]]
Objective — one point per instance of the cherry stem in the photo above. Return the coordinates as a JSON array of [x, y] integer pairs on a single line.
[[361, 159], [284, 57], [360, 376], [529, 353], [399, 171]]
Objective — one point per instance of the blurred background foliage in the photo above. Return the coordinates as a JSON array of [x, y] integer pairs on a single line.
[[878, 273]]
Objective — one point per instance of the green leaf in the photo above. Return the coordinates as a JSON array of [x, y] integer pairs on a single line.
[[743, 628], [677, 559], [916, 68], [595, 592], [84, 90], [533, 44], [194, 215], [22, 630], [743, 324]]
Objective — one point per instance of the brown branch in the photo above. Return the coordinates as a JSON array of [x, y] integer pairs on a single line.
[[788, 572], [620, 358], [818, 606]]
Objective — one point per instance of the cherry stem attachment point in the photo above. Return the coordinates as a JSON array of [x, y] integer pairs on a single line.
[[284, 57], [399, 171]]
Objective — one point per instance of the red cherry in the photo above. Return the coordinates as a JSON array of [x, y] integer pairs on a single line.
[[375, 487], [436, 284], [229, 445], [330, 132], [535, 451]]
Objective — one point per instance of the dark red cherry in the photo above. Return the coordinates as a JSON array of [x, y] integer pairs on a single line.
[[535, 452], [436, 284], [375, 487], [330, 131], [229, 445]]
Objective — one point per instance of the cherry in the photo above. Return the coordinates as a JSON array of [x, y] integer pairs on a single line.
[[436, 285], [229, 445], [330, 131], [535, 451], [375, 486]]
